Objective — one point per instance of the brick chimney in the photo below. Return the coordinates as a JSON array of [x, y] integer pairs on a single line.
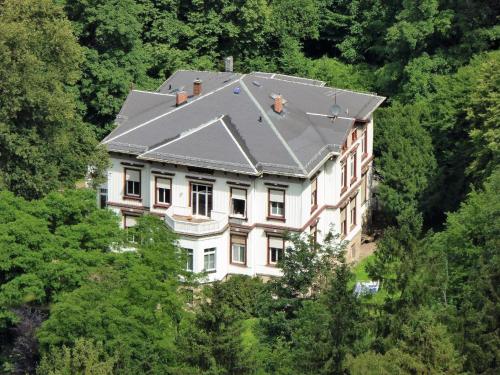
[[180, 98], [278, 104], [196, 87]]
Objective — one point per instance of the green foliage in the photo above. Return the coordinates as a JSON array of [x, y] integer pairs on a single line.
[[405, 163], [44, 143], [132, 304], [86, 357]]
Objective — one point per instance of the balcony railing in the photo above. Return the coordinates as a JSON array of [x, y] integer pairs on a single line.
[[181, 220]]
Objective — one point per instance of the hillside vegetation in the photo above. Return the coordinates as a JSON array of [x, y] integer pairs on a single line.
[[69, 305]]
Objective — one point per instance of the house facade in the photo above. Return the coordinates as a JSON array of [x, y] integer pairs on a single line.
[[232, 161]]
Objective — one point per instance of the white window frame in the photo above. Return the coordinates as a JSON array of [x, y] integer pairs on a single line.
[[207, 253], [275, 210], [233, 198], [189, 259], [280, 251], [158, 187], [133, 193]]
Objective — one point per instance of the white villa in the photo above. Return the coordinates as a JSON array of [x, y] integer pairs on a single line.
[[231, 161]]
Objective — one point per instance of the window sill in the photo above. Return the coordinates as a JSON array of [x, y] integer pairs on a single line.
[[364, 156], [277, 218], [353, 180], [210, 271], [238, 217], [242, 265], [343, 190], [352, 228], [159, 205], [130, 197]]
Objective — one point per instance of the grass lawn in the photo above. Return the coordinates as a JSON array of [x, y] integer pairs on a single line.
[[360, 274]]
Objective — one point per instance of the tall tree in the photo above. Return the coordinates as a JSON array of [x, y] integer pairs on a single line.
[[44, 145]]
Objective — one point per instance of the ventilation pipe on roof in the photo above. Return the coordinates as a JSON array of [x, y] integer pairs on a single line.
[[196, 87], [278, 104], [181, 97]]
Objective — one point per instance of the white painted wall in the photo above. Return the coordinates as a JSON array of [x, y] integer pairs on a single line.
[[297, 206]]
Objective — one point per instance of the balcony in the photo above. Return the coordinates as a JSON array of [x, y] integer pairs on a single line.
[[182, 221]]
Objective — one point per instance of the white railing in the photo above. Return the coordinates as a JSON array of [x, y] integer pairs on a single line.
[[180, 219]]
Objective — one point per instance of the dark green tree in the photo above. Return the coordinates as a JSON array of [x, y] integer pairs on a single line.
[[44, 145]]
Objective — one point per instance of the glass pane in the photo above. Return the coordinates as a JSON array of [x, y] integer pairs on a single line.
[[238, 207], [202, 209]]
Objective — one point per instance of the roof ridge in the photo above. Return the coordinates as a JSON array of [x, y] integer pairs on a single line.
[[276, 132], [175, 109]]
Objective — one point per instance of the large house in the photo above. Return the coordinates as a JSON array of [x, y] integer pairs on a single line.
[[231, 161]]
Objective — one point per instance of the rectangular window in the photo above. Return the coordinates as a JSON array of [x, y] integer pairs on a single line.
[[276, 203], [353, 212], [276, 249], [238, 249], [201, 199], [314, 194], [209, 259], [343, 221], [189, 260], [103, 197], [132, 183], [343, 176], [363, 189], [239, 202], [129, 222], [163, 191], [353, 166]]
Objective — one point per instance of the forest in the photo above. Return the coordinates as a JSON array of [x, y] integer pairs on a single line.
[[69, 305]]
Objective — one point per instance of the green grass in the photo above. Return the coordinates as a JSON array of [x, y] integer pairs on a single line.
[[360, 269], [360, 274]]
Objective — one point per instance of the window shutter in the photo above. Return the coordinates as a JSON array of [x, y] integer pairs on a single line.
[[132, 175], [130, 221], [276, 242], [238, 194], [240, 240], [277, 196], [163, 183]]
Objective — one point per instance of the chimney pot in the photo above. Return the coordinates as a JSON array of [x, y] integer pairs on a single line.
[[181, 98], [197, 87], [278, 104]]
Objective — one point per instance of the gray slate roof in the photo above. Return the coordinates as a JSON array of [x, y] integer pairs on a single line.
[[239, 132]]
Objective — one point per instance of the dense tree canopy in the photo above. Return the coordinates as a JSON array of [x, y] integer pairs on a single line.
[[71, 303]]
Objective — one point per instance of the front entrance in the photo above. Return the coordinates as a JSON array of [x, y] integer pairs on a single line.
[[201, 199]]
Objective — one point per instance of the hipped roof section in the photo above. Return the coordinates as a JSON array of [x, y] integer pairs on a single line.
[[232, 126]]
